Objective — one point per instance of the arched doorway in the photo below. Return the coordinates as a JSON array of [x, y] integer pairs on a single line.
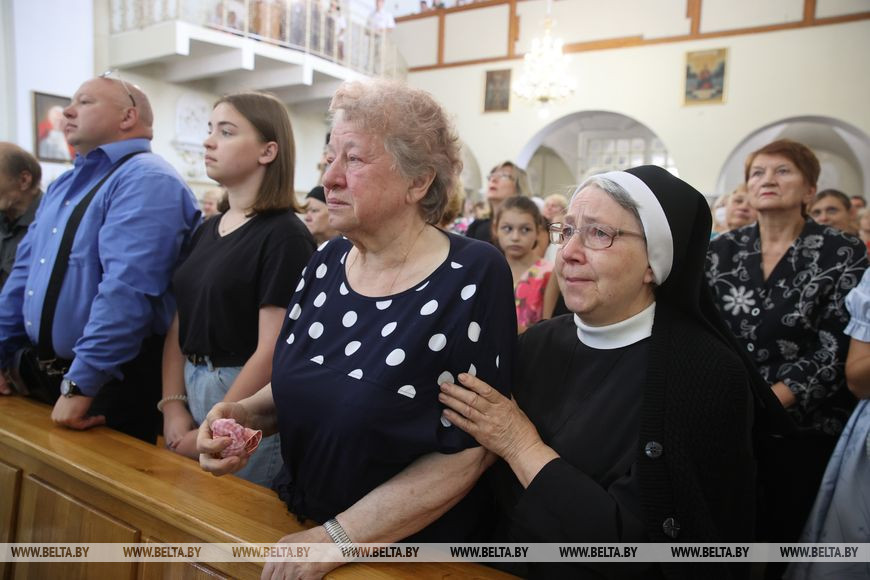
[[843, 151], [549, 173], [590, 142], [472, 180]]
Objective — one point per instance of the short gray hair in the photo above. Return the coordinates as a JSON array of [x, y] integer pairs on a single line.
[[415, 130], [616, 192]]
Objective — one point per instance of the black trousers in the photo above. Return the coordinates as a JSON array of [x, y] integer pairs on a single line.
[[130, 404]]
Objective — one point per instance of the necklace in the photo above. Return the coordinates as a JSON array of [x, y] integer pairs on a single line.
[[226, 228], [401, 264]]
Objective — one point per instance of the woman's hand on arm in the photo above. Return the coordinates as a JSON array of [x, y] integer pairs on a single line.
[[858, 368], [257, 412], [257, 371], [498, 424]]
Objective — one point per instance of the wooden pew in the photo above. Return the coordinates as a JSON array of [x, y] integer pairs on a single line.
[[59, 485]]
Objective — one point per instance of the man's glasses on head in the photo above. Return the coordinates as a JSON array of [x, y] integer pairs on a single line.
[[113, 74]]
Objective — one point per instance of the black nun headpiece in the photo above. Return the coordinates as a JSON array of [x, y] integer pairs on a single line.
[[676, 221]]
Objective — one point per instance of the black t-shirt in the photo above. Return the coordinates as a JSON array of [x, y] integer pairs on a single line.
[[223, 283], [480, 230]]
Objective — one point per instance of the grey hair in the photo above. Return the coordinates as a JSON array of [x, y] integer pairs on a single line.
[[415, 130], [616, 192]]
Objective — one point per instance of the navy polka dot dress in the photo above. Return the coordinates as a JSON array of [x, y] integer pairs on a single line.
[[356, 379]]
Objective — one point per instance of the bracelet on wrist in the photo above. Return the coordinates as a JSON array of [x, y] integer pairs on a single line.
[[164, 400], [339, 536]]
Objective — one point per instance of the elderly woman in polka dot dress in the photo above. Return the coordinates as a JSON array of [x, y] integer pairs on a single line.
[[381, 318]]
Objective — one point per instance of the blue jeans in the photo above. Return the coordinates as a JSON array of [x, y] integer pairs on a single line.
[[207, 386]]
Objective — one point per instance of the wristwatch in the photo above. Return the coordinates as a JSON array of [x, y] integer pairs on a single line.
[[69, 389]]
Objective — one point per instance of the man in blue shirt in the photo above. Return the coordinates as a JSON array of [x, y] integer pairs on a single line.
[[115, 302]]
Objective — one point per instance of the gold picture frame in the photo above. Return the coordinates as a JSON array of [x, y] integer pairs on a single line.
[[497, 91], [705, 77], [49, 141]]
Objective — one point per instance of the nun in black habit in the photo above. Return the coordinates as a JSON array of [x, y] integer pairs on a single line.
[[632, 419]]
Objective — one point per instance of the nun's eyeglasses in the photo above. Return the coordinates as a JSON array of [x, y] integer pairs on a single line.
[[593, 236], [113, 74]]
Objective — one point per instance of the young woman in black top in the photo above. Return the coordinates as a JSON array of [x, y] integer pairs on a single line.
[[235, 285]]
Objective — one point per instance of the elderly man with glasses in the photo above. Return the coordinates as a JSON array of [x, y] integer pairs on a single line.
[[82, 312]]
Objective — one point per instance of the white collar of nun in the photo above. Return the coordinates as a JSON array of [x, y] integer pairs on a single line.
[[623, 333]]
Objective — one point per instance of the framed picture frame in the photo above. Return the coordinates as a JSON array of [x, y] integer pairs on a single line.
[[705, 77], [49, 141], [497, 91]]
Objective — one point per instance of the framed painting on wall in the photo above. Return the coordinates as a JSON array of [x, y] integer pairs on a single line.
[[705, 76], [49, 141], [497, 93]]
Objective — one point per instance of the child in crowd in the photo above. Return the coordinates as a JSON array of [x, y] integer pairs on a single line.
[[517, 226], [234, 287]]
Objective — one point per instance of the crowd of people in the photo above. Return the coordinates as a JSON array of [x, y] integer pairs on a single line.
[[623, 364]]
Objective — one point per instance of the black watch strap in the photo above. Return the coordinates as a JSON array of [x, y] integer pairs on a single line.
[[68, 388]]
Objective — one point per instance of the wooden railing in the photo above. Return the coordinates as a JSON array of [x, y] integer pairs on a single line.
[[58, 485]]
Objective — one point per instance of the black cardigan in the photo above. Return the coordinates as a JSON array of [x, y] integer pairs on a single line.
[[699, 485]]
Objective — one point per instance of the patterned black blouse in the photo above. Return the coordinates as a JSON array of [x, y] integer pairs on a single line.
[[792, 323]]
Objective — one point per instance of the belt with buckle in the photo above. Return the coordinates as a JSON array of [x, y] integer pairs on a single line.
[[54, 366], [216, 361], [198, 359]]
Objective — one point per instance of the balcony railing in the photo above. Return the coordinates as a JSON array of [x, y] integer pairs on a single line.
[[303, 25]]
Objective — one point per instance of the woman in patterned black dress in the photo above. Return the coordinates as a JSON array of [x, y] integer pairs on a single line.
[[780, 285], [379, 319]]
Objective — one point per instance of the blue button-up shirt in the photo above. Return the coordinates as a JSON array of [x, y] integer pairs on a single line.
[[115, 293]]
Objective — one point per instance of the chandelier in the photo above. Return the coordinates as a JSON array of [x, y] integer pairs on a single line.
[[545, 77]]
